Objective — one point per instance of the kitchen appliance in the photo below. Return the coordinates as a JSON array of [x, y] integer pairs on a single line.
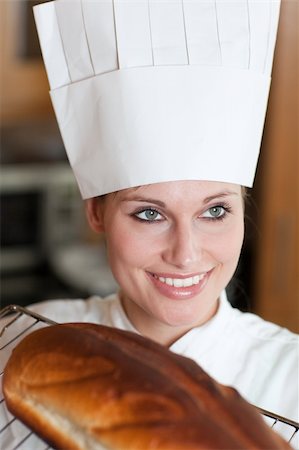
[[40, 207], [47, 249]]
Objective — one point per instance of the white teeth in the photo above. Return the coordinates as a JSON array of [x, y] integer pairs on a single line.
[[178, 282], [188, 282], [196, 279], [168, 281], [181, 282]]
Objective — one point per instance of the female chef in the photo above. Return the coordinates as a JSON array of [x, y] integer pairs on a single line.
[[161, 107]]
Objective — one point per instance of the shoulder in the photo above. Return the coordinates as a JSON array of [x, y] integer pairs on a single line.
[[271, 348], [248, 329], [260, 359], [257, 329], [257, 343], [92, 309], [267, 339]]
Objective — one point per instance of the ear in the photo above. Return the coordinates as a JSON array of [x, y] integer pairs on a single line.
[[94, 209]]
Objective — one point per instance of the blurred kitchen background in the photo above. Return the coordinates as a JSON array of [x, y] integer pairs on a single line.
[[47, 250]]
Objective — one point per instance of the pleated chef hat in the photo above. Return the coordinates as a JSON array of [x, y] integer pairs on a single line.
[[147, 91]]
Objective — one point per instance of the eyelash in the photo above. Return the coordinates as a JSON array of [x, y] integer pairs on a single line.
[[134, 215], [227, 210]]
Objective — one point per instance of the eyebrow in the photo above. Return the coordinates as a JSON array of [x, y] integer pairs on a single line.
[[219, 195], [145, 200], [163, 205]]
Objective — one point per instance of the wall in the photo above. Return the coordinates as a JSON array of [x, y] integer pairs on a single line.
[[23, 83], [276, 265]]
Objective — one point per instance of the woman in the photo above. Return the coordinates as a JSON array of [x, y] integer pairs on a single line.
[[172, 247], [161, 107]]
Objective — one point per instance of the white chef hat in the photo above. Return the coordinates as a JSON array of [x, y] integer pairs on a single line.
[[147, 91]]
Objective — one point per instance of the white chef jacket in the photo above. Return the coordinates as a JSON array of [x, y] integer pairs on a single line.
[[258, 358]]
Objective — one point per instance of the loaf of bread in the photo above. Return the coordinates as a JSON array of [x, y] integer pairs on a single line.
[[86, 386]]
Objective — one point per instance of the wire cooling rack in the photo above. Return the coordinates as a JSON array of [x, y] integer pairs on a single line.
[[15, 323]]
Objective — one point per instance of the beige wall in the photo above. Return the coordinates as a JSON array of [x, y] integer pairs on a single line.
[[24, 84], [277, 184]]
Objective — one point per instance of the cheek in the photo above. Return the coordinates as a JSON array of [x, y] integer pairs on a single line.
[[226, 247], [127, 249]]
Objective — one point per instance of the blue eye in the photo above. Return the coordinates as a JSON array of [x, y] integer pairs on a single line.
[[215, 212], [148, 215]]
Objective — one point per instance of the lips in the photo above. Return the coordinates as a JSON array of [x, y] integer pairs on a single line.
[[178, 287]]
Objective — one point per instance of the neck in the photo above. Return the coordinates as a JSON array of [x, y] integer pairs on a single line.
[[148, 326]]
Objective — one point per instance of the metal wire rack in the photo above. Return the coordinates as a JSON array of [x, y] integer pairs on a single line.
[[15, 323]]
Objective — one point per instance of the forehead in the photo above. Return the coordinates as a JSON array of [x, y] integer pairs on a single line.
[[197, 190]]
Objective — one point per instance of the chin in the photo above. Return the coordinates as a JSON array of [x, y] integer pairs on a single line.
[[188, 317]]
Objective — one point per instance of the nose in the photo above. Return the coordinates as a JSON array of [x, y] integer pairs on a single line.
[[183, 247]]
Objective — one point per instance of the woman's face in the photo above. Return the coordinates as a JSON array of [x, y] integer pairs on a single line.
[[172, 247]]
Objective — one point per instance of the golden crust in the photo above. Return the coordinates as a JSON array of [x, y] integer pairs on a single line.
[[87, 386]]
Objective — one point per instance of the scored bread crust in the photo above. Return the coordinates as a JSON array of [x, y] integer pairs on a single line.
[[87, 386]]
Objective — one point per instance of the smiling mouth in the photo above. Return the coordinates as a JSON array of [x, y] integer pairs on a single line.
[[181, 282]]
